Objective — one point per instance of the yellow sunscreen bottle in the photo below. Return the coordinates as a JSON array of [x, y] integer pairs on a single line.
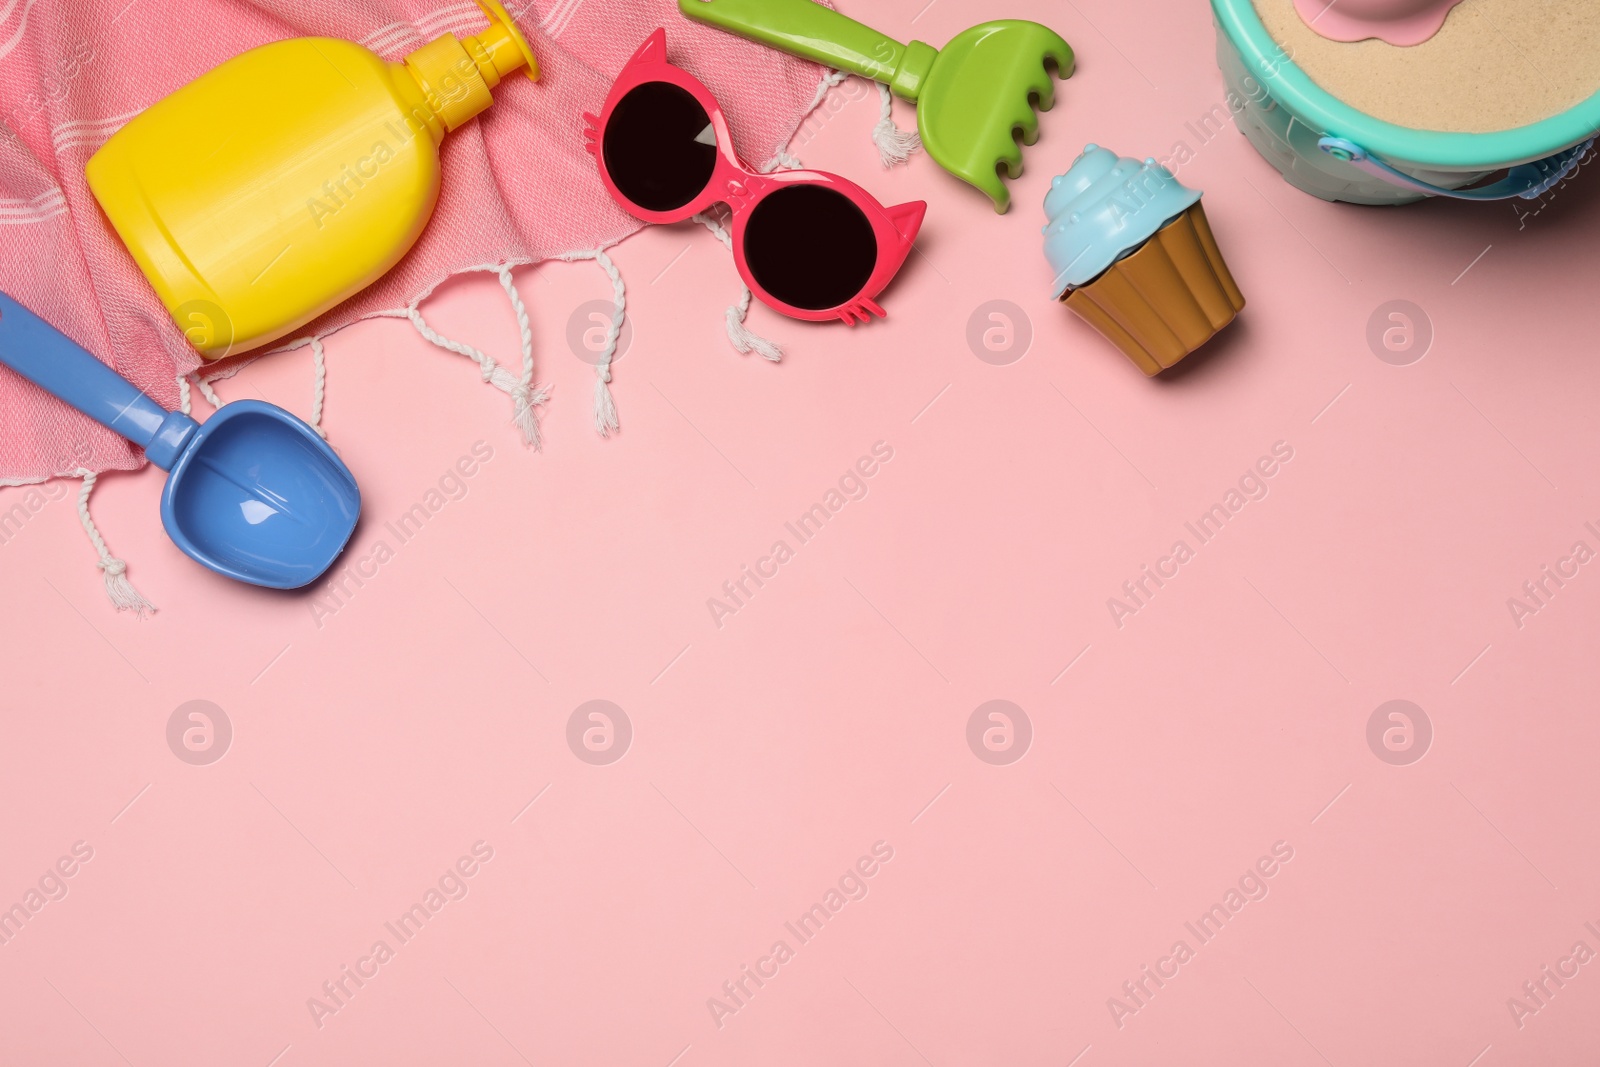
[[286, 180]]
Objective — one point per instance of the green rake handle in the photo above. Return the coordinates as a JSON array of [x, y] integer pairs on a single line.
[[811, 31]]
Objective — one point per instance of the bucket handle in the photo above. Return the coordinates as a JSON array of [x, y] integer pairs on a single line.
[[1528, 181]]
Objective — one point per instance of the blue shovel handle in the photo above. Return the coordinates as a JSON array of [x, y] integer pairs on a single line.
[[55, 363]]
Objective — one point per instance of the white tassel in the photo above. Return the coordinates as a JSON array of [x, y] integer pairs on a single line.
[[121, 591], [203, 383], [782, 158], [490, 371], [743, 339], [523, 403], [784, 161], [605, 406], [895, 146], [525, 398], [746, 340], [206, 391], [319, 389]]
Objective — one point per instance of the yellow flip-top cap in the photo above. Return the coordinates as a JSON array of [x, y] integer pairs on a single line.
[[504, 43], [456, 75]]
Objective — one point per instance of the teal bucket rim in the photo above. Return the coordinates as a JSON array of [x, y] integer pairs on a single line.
[[1424, 148]]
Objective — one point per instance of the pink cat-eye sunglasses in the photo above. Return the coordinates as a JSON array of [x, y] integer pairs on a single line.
[[811, 245]]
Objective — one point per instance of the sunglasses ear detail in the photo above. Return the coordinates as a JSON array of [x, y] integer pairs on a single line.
[[591, 133], [653, 53], [907, 219]]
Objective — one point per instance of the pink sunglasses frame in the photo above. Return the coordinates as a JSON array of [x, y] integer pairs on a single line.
[[741, 188]]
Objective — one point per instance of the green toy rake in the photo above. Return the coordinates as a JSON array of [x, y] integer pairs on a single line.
[[975, 98]]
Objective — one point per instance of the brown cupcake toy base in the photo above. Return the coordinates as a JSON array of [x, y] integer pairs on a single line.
[[1167, 299]]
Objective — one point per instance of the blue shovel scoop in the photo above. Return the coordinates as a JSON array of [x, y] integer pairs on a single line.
[[253, 494]]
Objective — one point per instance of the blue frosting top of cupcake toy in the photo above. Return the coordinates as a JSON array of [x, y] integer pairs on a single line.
[[1105, 208]]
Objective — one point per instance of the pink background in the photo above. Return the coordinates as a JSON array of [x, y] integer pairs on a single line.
[[830, 713]]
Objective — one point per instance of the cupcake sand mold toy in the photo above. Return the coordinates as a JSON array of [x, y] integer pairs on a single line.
[[1133, 255], [1398, 22]]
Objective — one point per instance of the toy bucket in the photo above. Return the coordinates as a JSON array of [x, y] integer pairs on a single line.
[[1329, 149]]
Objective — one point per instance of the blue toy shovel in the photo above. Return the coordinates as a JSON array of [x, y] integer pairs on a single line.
[[253, 494]]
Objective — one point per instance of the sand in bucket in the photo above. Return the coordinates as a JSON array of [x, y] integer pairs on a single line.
[[1496, 64]]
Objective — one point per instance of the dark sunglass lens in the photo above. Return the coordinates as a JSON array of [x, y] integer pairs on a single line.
[[811, 247], [659, 146]]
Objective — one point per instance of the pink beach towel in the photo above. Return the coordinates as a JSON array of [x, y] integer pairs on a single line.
[[518, 186]]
